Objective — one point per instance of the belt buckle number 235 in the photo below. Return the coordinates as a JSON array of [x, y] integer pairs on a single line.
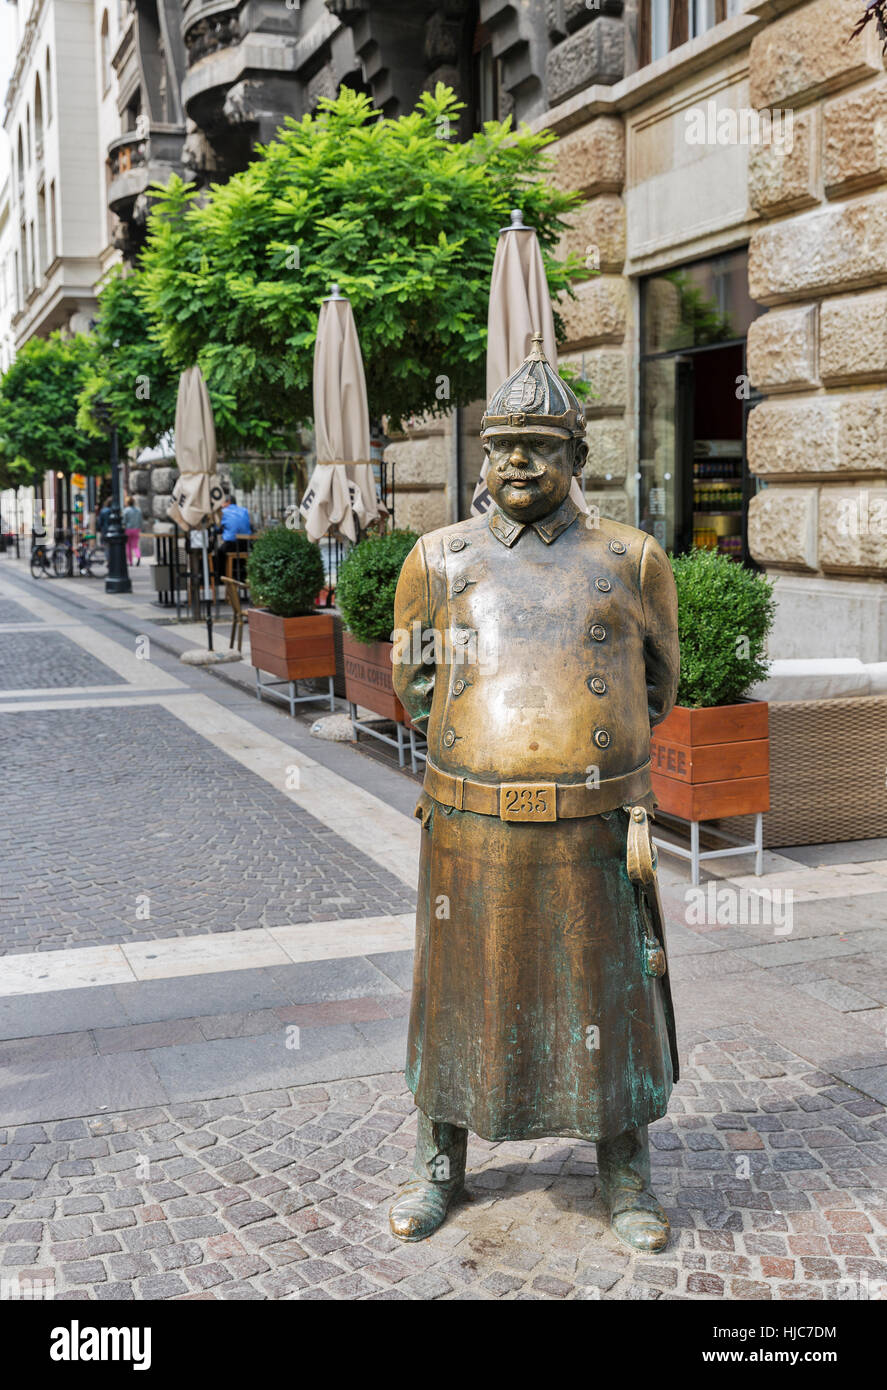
[[528, 801]]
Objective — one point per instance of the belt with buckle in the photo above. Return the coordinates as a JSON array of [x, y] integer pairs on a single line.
[[536, 801]]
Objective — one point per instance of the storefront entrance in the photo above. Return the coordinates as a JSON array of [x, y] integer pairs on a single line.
[[694, 485]]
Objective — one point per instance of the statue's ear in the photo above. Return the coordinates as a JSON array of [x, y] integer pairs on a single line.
[[487, 446], [580, 454]]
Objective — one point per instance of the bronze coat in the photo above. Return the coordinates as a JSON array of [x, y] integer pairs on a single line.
[[532, 1013]]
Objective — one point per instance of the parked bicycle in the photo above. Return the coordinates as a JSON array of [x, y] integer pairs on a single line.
[[58, 560]]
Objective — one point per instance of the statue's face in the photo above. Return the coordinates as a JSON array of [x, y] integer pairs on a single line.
[[529, 474]]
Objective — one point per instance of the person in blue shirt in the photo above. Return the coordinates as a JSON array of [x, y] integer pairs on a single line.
[[235, 522]]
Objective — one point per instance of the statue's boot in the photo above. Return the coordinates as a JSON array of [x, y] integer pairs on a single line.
[[438, 1180], [635, 1214]]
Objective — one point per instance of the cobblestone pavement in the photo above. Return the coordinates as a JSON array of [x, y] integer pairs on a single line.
[[49, 660], [774, 1178], [11, 612], [130, 803]]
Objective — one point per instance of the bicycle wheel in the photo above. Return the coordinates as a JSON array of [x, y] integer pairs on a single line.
[[97, 563], [39, 567], [61, 561]]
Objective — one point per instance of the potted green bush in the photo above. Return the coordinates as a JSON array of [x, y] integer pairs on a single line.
[[365, 597], [711, 755], [287, 638]]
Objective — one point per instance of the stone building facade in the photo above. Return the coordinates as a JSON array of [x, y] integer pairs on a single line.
[[749, 159], [730, 156]]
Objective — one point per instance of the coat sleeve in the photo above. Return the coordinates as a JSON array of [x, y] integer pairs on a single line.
[[413, 677], [661, 651]]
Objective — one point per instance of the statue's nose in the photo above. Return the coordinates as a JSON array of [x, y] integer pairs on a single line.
[[518, 457]]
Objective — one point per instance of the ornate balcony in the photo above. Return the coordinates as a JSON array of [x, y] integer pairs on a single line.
[[136, 160]]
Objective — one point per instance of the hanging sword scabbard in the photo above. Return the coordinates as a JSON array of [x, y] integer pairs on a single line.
[[641, 861]]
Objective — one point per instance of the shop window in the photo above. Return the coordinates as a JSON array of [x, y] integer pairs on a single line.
[[694, 485], [666, 24]]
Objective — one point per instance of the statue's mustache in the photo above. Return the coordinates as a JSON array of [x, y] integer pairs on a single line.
[[520, 475]]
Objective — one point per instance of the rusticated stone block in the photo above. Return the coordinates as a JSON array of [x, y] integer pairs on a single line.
[[855, 140], [784, 174], [611, 503], [593, 54], [425, 460], [422, 511], [597, 233], [853, 338], [139, 479], [591, 159], [805, 53], [781, 349], [143, 501], [853, 530], [606, 449], [597, 314], [606, 371], [835, 249], [840, 434], [160, 505], [782, 527], [163, 480]]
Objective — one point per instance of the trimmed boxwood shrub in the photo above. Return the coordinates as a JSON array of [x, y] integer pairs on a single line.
[[285, 572], [367, 580], [725, 612]]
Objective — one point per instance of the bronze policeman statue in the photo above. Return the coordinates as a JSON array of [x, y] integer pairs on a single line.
[[537, 646]]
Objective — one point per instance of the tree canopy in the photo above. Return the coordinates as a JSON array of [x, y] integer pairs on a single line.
[[38, 411], [402, 217], [126, 369]]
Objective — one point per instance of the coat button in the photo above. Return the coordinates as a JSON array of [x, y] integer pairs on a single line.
[[602, 738], [598, 632], [458, 687], [597, 685], [459, 585], [449, 738], [457, 543], [462, 636], [617, 547], [604, 585]]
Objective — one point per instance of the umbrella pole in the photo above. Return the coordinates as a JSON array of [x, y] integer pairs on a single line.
[[207, 595]]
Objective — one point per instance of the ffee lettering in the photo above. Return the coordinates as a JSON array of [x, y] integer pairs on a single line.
[[669, 759]]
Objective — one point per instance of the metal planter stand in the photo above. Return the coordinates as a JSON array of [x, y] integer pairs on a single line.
[[695, 855], [417, 750], [292, 699]]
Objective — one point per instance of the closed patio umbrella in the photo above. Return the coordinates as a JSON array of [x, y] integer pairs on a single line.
[[198, 494], [520, 306], [341, 492]]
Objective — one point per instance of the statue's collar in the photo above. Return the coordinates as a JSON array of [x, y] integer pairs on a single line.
[[548, 528]]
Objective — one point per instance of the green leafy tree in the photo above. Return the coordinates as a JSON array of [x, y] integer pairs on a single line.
[[402, 217], [127, 369], [39, 396]]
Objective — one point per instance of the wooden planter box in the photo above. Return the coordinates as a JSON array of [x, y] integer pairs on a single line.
[[708, 763], [292, 648], [368, 678]]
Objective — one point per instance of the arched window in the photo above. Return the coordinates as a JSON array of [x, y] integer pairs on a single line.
[[38, 117], [20, 164], [29, 144], [106, 53], [48, 87]]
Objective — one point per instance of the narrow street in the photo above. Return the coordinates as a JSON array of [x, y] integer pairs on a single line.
[[203, 1027]]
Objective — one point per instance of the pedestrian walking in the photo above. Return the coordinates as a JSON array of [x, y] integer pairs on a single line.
[[103, 520], [132, 525]]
